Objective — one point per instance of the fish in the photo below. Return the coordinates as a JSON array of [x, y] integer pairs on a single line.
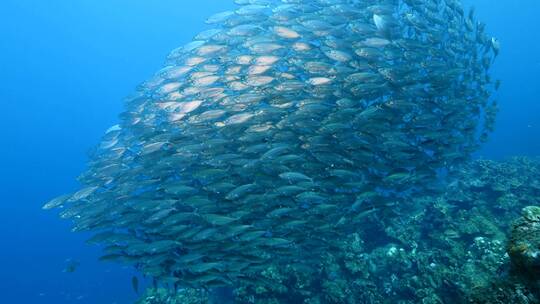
[[316, 81], [135, 284], [219, 220], [56, 202], [71, 266], [496, 45], [294, 177], [241, 191], [285, 124], [286, 33]]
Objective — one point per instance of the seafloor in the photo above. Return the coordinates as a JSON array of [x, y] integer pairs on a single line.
[[450, 247]]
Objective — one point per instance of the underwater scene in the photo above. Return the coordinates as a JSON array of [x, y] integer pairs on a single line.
[[270, 151]]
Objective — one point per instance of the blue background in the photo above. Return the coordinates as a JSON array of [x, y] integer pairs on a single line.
[[65, 67]]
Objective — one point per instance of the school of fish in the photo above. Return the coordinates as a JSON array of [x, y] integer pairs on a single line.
[[286, 124]]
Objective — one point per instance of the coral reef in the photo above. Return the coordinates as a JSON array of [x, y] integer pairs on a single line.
[[524, 245], [449, 247], [166, 296]]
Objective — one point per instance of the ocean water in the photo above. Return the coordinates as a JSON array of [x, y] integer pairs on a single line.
[[516, 25], [65, 67]]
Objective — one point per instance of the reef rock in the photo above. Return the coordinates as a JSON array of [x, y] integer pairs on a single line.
[[524, 244]]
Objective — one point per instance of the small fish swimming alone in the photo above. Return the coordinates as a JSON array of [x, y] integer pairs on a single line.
[[71, 266], [285, 117], [135, 284]]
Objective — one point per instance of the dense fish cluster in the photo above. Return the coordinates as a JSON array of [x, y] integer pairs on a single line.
[[287, 123]]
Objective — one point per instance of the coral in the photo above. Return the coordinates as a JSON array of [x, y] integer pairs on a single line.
[[524, 245], [446, 247], [167, 296]]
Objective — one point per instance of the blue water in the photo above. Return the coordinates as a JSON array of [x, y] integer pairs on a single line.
[[65, 67], [517, 26]]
